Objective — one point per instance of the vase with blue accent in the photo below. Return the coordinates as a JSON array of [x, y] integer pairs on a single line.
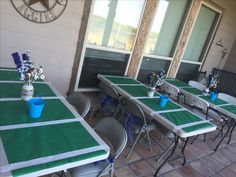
[[27, 91], [151, 91], [28, 73]]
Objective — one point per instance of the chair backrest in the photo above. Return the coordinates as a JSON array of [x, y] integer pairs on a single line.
[[80, 102], [109, 90], [228, 98], [196, 85], [115, 132], [133, 108]]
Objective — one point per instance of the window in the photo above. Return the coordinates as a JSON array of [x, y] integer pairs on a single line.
[[114, 23], [163, 37], [198, 42], [106, 63], [154, 65], [111, 34], [165, 27], [187, 71]]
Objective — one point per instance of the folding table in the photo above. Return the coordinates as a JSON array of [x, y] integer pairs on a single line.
[[60, 139], [173, 116], [194, 96]]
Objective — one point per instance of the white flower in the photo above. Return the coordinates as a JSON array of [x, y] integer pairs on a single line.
[[42, 77]]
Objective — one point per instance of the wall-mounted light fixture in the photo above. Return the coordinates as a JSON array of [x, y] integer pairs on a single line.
[[220, 43], [223, 53]]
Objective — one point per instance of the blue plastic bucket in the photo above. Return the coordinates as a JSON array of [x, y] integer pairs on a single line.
[[163, 100], [213, 96], [35, 107]]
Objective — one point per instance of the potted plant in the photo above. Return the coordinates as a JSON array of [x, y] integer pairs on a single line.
[[212, 82], [28, 73], [155, 80]]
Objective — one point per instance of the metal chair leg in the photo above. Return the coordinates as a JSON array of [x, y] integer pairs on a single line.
[[135, 142], [118, 112], [93, 112], [149, 140]]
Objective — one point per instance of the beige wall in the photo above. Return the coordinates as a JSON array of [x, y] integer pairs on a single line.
[[230, 64], [226, 31], [53, 45]]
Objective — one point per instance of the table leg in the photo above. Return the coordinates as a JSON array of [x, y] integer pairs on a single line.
[[207, 112], [231, 131], [182, 151], [172, 152], [220, 132], [181, 94], [194, 139], [226, 133]]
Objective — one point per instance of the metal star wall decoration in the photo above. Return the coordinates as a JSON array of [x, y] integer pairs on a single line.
[[45, 3], [44, 11]]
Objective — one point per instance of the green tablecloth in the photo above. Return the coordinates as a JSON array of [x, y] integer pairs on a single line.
[[177, 83], [137, 90], [22, 144], [153, 103], [215, 102], [16, 112], [121, 80], [182, 122], [45, 141], [193, 90], [9, 75], [230, 108], [198, 127], [13, 90], [181, 117], [44, 166]]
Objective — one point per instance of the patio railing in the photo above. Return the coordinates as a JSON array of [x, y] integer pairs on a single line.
[[227, 82]]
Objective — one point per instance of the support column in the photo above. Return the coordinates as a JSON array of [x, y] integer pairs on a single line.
[[82, 32], [184, 38], [144, 28]]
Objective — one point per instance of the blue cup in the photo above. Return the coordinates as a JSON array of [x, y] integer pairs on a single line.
[[35, 107], [163, 100], [213, 96]]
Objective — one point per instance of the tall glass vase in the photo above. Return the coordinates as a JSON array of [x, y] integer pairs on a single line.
[[27, 91]]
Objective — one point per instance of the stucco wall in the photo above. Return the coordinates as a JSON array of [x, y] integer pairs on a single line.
[[53, 45], [227, 32], [230, 64]]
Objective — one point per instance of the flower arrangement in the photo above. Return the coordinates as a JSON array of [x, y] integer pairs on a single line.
[[156, 80], [25, 67], [212, 82]]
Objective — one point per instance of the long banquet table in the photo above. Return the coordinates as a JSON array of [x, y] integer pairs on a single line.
[[194, 96], [60, 139], [173, 116]]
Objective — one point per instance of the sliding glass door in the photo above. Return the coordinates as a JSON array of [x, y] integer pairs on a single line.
[[198, 43], [111, 34], [163, 38]]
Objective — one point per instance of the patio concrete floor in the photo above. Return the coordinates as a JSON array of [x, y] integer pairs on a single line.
[[202, 161]]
